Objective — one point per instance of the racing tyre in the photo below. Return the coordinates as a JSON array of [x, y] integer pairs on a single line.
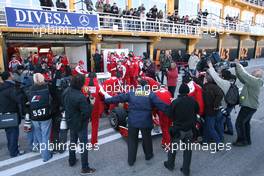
[[118, 117]]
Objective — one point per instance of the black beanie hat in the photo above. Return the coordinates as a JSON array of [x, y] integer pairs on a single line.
[[184, 89]]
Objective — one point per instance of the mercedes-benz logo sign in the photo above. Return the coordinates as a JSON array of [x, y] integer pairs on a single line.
[[84, 20]]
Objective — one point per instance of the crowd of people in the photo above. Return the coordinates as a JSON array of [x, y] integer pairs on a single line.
[[257, 2], [45, 91]]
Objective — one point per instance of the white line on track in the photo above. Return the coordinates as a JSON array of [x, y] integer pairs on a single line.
[[31, 154], [39, 162]]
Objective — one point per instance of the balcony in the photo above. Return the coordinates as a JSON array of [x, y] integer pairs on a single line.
[[130, 25]]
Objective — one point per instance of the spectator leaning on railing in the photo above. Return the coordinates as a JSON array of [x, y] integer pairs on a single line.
[[61, 6], [99, 6], [46, 4], [89, 5], [249, 102]]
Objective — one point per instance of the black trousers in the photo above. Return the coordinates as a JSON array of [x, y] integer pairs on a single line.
[[186, 138], [163, 74], [83, 140], [243, 124], [133, 143], [172, 90]]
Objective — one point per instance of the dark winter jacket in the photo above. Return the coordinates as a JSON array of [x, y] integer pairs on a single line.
[[183, 111], [40, 102], [77, 109], [212, 95], [11, 98]]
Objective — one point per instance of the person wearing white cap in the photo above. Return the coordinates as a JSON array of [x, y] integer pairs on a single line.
[[39, 98]]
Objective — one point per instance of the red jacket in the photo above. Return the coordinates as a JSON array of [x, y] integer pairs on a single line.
[[172, 76], [94, 91], [197, 93], [151, 82], [112, 86], [164, 95]]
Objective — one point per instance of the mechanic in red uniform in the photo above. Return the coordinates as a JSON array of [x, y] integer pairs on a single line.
[[140, 65], [111, 64], [127, 64], [13, 64], [64, 59], [165, 122], [132, 69], [120, 70], [151, 82], [92, 89], [79, 69], [113, 86], [35, 58], [50, 58], [196, 92]]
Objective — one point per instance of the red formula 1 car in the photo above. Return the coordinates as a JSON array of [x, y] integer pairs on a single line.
[[118, 114], [118, 120]]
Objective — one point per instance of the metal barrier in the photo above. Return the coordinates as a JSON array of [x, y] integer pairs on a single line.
[[225, 25], [130, 24]]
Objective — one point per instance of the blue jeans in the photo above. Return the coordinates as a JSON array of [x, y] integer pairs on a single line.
[[210, 130], [12, 140], [219, 125], [42, 131], [32, 140], [83, 138]]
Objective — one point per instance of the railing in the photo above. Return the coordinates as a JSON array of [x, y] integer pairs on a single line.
[[226, 25], [135, 24], [215, 22], [255, 2]]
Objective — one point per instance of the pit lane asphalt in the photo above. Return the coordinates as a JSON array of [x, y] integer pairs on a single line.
[[111, 159]]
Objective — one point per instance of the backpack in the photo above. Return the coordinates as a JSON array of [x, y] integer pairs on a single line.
[[232, 95]]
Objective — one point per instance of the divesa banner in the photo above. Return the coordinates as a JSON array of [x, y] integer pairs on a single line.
[[30, 18]]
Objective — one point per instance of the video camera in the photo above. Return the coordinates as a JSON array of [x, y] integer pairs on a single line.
[[217, 62], [63, 83]]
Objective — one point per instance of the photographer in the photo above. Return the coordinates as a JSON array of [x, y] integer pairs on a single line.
[[182, 111], [224, 83], [249, 102], [212, 96]]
